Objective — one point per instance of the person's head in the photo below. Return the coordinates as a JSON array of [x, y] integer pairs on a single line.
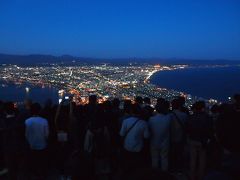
[[35, 109], [127, 106], [136, 110], [139, 100], [147, 100], [9, 108], [182, 100], [101, 109], [147, 112], [92, 99], [107, 105], [236, 98], [176, 104], [115, 103], [162, 107], [228, 130], [160, 100], [199, 106], [224, 107], [167, 104], [215, 109]]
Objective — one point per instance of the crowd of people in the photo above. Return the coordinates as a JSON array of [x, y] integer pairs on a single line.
[[120, 140]]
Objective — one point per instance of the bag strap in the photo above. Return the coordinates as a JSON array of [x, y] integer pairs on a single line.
[[131, 128], [178, 120]]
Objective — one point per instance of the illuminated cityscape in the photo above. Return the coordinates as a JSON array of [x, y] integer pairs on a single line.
[[105, 80]]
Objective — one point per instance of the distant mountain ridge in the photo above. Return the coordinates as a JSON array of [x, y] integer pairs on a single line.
[[34, 59], [38, 59]]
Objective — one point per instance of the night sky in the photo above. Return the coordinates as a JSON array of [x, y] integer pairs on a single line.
[[203, 29]]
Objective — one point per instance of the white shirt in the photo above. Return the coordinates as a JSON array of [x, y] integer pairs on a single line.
[[159, 126], [134, 140], [37, 132]]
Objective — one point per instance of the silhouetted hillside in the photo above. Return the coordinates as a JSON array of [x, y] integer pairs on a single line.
[[67, 59], [37, 59]]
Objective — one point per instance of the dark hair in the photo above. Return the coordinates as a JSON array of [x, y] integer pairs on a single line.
[[127, 106], [146, 112], [160, 100], [139, 100], [162, 107], [236, 97], [228, 129], [237, 101], [107, 105], [92, 99], [198, 106], [147, 100], [176, 104], [215, 108], [9, 107], [35, 109], [115, 103], [224, 107], [182, 100], [136, 109]]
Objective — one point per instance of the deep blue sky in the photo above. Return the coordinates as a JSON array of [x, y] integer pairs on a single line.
[[203, 29]]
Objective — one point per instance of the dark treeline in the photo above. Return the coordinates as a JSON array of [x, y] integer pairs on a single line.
[[104, 141]]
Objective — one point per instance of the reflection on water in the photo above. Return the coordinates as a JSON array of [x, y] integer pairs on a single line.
[[17, 92]]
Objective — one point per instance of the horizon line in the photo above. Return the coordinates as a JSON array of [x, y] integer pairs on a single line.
[[123, 58]]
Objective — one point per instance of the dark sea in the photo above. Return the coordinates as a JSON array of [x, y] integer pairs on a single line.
[[18, 93], [217, 83]]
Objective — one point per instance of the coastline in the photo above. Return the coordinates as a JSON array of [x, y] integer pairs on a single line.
[[147, 79], [208, 82], [188, 96], [19, 92], [148, 85]]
